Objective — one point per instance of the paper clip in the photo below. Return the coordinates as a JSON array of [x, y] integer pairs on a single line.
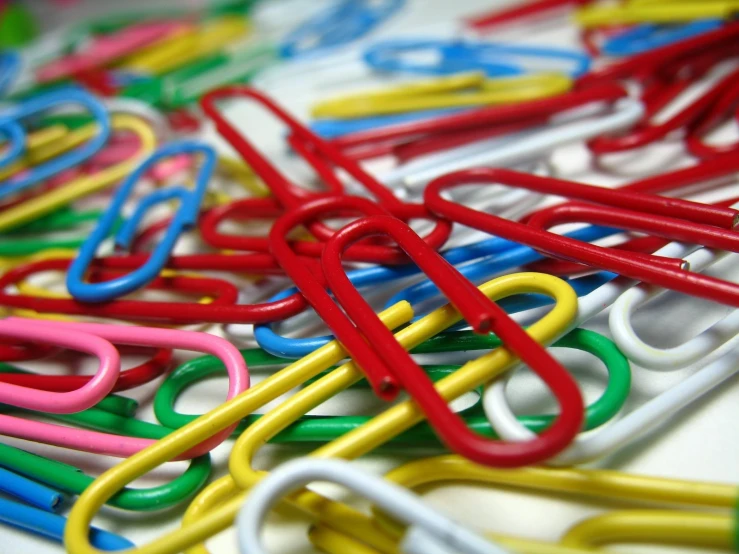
[[459, 90], [73, 480], [706, 530], [459, 56], [31, 209], [182, 48], [107, 49], [651, 11], [679, 356], [707, 110], [428, 530], [344, 22], [648, 37], [325, 159], [235, 64], [51, 526], [650, 269], [42, 103], [184, 219], [538, 141], [393, 422], [107, 443]]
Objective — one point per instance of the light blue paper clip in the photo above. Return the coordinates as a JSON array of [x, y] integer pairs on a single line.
[[447, 57], [12, 118], [342, 23], [184, 219]]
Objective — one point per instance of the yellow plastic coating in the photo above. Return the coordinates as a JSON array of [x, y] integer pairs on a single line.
[[185, 48], [378, 430], [654, 527], [34, 208], [47, 143], [470, 89], [673, 11]]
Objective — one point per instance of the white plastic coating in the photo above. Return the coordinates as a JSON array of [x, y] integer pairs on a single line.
[[429, 532]]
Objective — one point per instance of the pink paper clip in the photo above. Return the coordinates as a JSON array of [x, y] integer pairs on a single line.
[[106, 49], [77, 400], [68, 334]]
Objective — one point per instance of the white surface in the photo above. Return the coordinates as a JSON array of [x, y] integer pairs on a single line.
[[700, 443]]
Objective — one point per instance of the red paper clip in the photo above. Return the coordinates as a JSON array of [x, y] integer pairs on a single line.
[[325, 159], [708, 110], [221, 310], [530, 10], [482, 119], [387, 365], [641, 267]]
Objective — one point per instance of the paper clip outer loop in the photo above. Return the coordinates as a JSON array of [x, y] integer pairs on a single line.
[[184, 219], [90, 393], [39, 104]]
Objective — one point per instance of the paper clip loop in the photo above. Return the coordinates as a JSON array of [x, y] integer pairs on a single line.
[[428, 531], [344, 22], [12, 117], [457, 56], [184, 219]]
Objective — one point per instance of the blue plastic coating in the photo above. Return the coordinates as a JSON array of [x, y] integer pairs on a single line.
[[30, 491], [59, 97], [51, 526], [332, 128], [16, 137], [184, 219], [10, 68], [498, 255], [447, 57], [342, 23], [643, 38]]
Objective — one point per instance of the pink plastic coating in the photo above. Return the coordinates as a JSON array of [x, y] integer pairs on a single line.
[[29, 330], [121, 446]]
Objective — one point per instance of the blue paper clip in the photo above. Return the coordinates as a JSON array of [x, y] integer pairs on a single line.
[[456, 56], [184, 219], [15, 115], [52, 526], [648, 37], [497, 255], [340, 24], [10, 68]]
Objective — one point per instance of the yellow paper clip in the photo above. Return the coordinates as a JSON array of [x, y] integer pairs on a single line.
[[217, 505], [467, 89], [655, 11], [186, 47]]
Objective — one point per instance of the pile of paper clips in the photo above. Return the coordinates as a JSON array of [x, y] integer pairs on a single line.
[[411, 169]]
